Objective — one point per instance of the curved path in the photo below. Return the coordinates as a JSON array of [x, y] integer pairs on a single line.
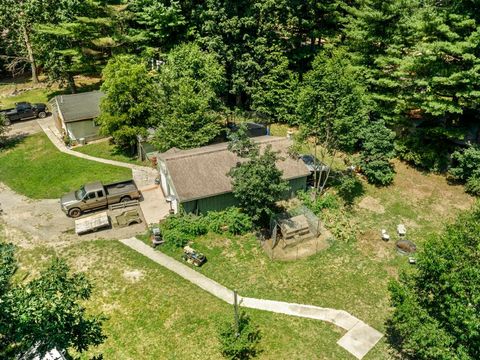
[[154, 206], [359, 339]]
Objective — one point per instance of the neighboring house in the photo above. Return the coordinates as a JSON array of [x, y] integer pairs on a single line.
[[197, 179], [75, 115]]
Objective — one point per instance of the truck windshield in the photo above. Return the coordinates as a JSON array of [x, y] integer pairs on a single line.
[[80, 193]]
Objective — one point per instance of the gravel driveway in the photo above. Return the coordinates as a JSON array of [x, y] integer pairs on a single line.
[[29, 223]]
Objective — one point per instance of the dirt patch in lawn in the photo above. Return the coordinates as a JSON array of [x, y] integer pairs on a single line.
[[133, 276], [371, 204]]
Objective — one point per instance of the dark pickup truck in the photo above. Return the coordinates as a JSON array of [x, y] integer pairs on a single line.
[[96, 196], [24, 111]]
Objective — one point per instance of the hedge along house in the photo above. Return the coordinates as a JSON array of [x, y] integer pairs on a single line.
[[75, 115], [197, 181]]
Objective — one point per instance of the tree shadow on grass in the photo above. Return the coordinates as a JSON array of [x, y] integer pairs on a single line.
[[9, 142]]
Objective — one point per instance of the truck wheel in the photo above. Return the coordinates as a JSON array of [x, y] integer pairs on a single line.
[[125, 199], [75, 212], [7, 121], [42, 115]]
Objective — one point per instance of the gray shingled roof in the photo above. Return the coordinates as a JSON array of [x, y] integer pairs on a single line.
[[76, 107], [202, 172]]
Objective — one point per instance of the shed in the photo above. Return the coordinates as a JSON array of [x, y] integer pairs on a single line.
[[197, 179], [75, 114]]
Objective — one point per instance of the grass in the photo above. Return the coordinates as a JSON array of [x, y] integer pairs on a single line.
[[161, 316], [40, 93], [354, 275], [107, 150], [33, 96], [35, 168]]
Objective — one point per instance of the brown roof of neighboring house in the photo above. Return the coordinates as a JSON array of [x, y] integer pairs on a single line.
[[77, 107], [202, 172]]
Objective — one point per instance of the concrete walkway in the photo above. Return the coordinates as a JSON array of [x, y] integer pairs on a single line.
[[359, 339], [154, 206]]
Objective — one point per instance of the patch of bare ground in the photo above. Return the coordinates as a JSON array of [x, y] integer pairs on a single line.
[[417, 186], [133, 275], [370, 244], [371, 204], [28, 223]]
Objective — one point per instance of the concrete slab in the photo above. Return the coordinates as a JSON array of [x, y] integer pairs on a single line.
[[154, 206], [360, 339]]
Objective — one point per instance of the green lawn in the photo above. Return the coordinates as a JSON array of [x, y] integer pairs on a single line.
[[33, 96], [158, 315], [354, 275], [35, 168], [107, 150]]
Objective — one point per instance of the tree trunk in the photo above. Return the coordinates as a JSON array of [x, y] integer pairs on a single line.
[[71, 83], [31, 58]]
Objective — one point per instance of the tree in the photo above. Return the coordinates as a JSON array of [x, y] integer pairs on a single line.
[[45, 312], [466, 168], [190, 83], [129, 104], [274, 92], [377, 150], [257, 182], [239, 342], [333, 100], [79, 45], [436, 307]]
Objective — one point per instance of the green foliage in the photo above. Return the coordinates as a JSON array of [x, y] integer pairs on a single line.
[[241, 345], [241, 144], [377, 151], [466, 168], [436, 307], [258, 184], [425, 149], [350, 188], [231, 220], [317, 205], [190, 83], [466, 163], [3, 130], [274, 92], [47, 311], [130, 100], [332, 101]]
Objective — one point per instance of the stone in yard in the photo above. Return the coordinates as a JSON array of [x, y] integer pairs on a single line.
[[402, 231], [385, 236]]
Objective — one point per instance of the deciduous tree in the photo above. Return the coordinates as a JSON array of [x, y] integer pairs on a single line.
[[130, 100], [190, 83], [436, 307], [46, 312]]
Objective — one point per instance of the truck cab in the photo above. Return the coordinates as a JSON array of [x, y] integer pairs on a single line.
[[94, 196]]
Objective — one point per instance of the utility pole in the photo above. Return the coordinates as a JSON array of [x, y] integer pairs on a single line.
[[235, 309]]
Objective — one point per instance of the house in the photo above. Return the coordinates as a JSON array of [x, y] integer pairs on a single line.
[[75, 115], [197, 179]]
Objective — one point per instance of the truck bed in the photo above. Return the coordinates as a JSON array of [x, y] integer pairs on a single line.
[[120, 188]]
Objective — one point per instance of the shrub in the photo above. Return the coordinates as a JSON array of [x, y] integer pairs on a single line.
[[466, 168], [176, 238], [349, 188], [322, 202], [231, 220], [425, 149], [377, 151], [241, 345], [188, 224], [472, 185]]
